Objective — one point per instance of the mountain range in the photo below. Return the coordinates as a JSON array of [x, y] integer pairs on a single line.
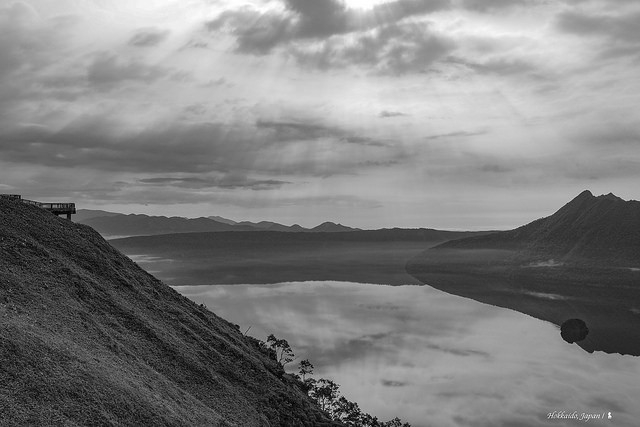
[[581, 262], [113, 225], [603, 229]]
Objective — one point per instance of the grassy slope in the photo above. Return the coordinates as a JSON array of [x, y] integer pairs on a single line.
[[88, 338], [269, 257]]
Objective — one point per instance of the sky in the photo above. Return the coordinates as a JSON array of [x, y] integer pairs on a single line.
[[451, 114]]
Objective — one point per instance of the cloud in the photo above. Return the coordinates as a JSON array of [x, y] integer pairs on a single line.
[[618, 135], [282, 148], [295, 131], [394, 11], [259, 32], [394, 49], [107, 69], [492, 5], [458, 352], [391, 383], [387, 114], [146, 37], [319, 18], [501, 66], [28, 42], [459, 134], [620, 27], [256, 32], [226, 181]]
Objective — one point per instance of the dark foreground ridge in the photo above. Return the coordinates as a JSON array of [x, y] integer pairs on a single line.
[[582, 262], [89, 338]]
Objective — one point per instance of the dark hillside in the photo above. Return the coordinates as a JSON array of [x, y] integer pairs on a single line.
[[581, 262], [604, 229], [88, 338]]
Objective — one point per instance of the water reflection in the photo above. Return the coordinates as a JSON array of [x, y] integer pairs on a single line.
[[431, 358]]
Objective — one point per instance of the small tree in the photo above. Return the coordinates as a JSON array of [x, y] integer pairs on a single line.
[[284, 354], [396, 422], [305, 368], [347, 412], [325, 393], [369, 421]]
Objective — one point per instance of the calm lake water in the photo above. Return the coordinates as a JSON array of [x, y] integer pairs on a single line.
[[434, 359]]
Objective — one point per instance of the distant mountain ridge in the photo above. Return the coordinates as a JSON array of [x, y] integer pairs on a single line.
[[112, 225], [137, 225], [582, 262], [588, 227], [222, 220], [332, 227]]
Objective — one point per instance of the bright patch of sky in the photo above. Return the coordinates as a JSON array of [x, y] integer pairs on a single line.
[[435, 113]]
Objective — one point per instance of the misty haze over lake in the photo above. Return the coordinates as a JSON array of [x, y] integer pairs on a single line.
[[434, 358]]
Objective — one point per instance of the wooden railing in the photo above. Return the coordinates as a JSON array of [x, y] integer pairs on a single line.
[[56, 208]]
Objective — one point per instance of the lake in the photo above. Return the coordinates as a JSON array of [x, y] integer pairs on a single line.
[[434, 359]]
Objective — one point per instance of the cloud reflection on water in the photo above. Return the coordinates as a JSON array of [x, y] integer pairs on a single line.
[[431, 358]]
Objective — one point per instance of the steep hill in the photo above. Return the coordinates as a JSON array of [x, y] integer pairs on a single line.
[[88, 338], [581, 262], [587, 229]]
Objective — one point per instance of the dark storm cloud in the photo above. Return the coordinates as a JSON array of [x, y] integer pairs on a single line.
[[145, 37], [320, 18], [259, 32], [394, 49], [108, 69]]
